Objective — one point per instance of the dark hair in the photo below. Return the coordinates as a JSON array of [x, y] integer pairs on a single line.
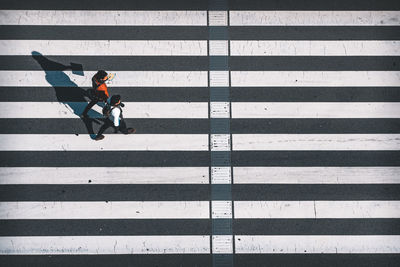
[[114, 99], [100, 74]]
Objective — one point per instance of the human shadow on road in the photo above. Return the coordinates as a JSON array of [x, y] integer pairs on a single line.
[[67, 92]]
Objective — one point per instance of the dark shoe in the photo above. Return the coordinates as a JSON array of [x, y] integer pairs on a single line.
[[131, 130], [99, 137]]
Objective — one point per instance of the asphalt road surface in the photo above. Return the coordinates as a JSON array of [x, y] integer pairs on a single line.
[[267, 133]]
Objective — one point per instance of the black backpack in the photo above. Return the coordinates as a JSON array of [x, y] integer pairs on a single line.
[[107, 110]]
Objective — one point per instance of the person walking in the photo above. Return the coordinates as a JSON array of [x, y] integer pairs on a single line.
[[100, 91], [114, 118]]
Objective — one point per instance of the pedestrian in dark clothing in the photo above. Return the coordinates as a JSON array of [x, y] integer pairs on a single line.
[[100, 91], [114, 118]]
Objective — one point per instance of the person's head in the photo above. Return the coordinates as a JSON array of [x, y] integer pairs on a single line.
[[101, 75], [115, 100]]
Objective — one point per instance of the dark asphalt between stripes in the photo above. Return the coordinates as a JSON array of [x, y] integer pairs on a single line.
[[149, 260], [365, 226], [314, 33], [199, 227], [304, 192], [315, 158], [314, 5], [202, 126], [114, 63], [104, 158], [195, 158], [12, 32], [315, 94], [201, 94], [129, 94], [108, 192], [90, 227], [326, 260], [314, 63], [77, 126], [201, 63]]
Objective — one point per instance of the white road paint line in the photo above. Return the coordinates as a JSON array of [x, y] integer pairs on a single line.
[[115, 142], [313, 244], [19, 210], [103, 18], [221, 209], [97, 245], [316, 175], [143, 110], [316, 209], [218, 48], [104, 47], [219, 78], [122, 79], [222, 244], [314, 18], [218, 18], [219, 175], [220, 142], [104, 175], [219, 110], [276, 209], [315, 110], [315, 78], [316, 141], [315, 48]]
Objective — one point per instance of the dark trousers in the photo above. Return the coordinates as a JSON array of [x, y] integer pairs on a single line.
[[108, 123], [90, 105], [99, 96]]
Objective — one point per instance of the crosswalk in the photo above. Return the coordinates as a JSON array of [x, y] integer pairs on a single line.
[[303, 105]]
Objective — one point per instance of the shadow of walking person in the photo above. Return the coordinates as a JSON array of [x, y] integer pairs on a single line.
[[67, 92]]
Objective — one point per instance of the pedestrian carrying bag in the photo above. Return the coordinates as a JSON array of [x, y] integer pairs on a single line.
[[107, 110]]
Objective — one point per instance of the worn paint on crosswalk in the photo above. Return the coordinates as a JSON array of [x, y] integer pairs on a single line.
[[312, 130]]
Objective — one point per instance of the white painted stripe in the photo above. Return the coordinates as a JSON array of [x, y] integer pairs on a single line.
[[221, 209], [219, 110], [316, 141], [219, 78], [218, 18], [316, 175], [315, 110], [122, 79], [220, 142], [222, 244], [315, 48], [314, 78], [105, 210], [104, 48], [218, 48], [314, 18], [312, 244], [219, 175], [143, 110], [88, 245], [104, 175], [120, 142], [102, 18], [316, 209]]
